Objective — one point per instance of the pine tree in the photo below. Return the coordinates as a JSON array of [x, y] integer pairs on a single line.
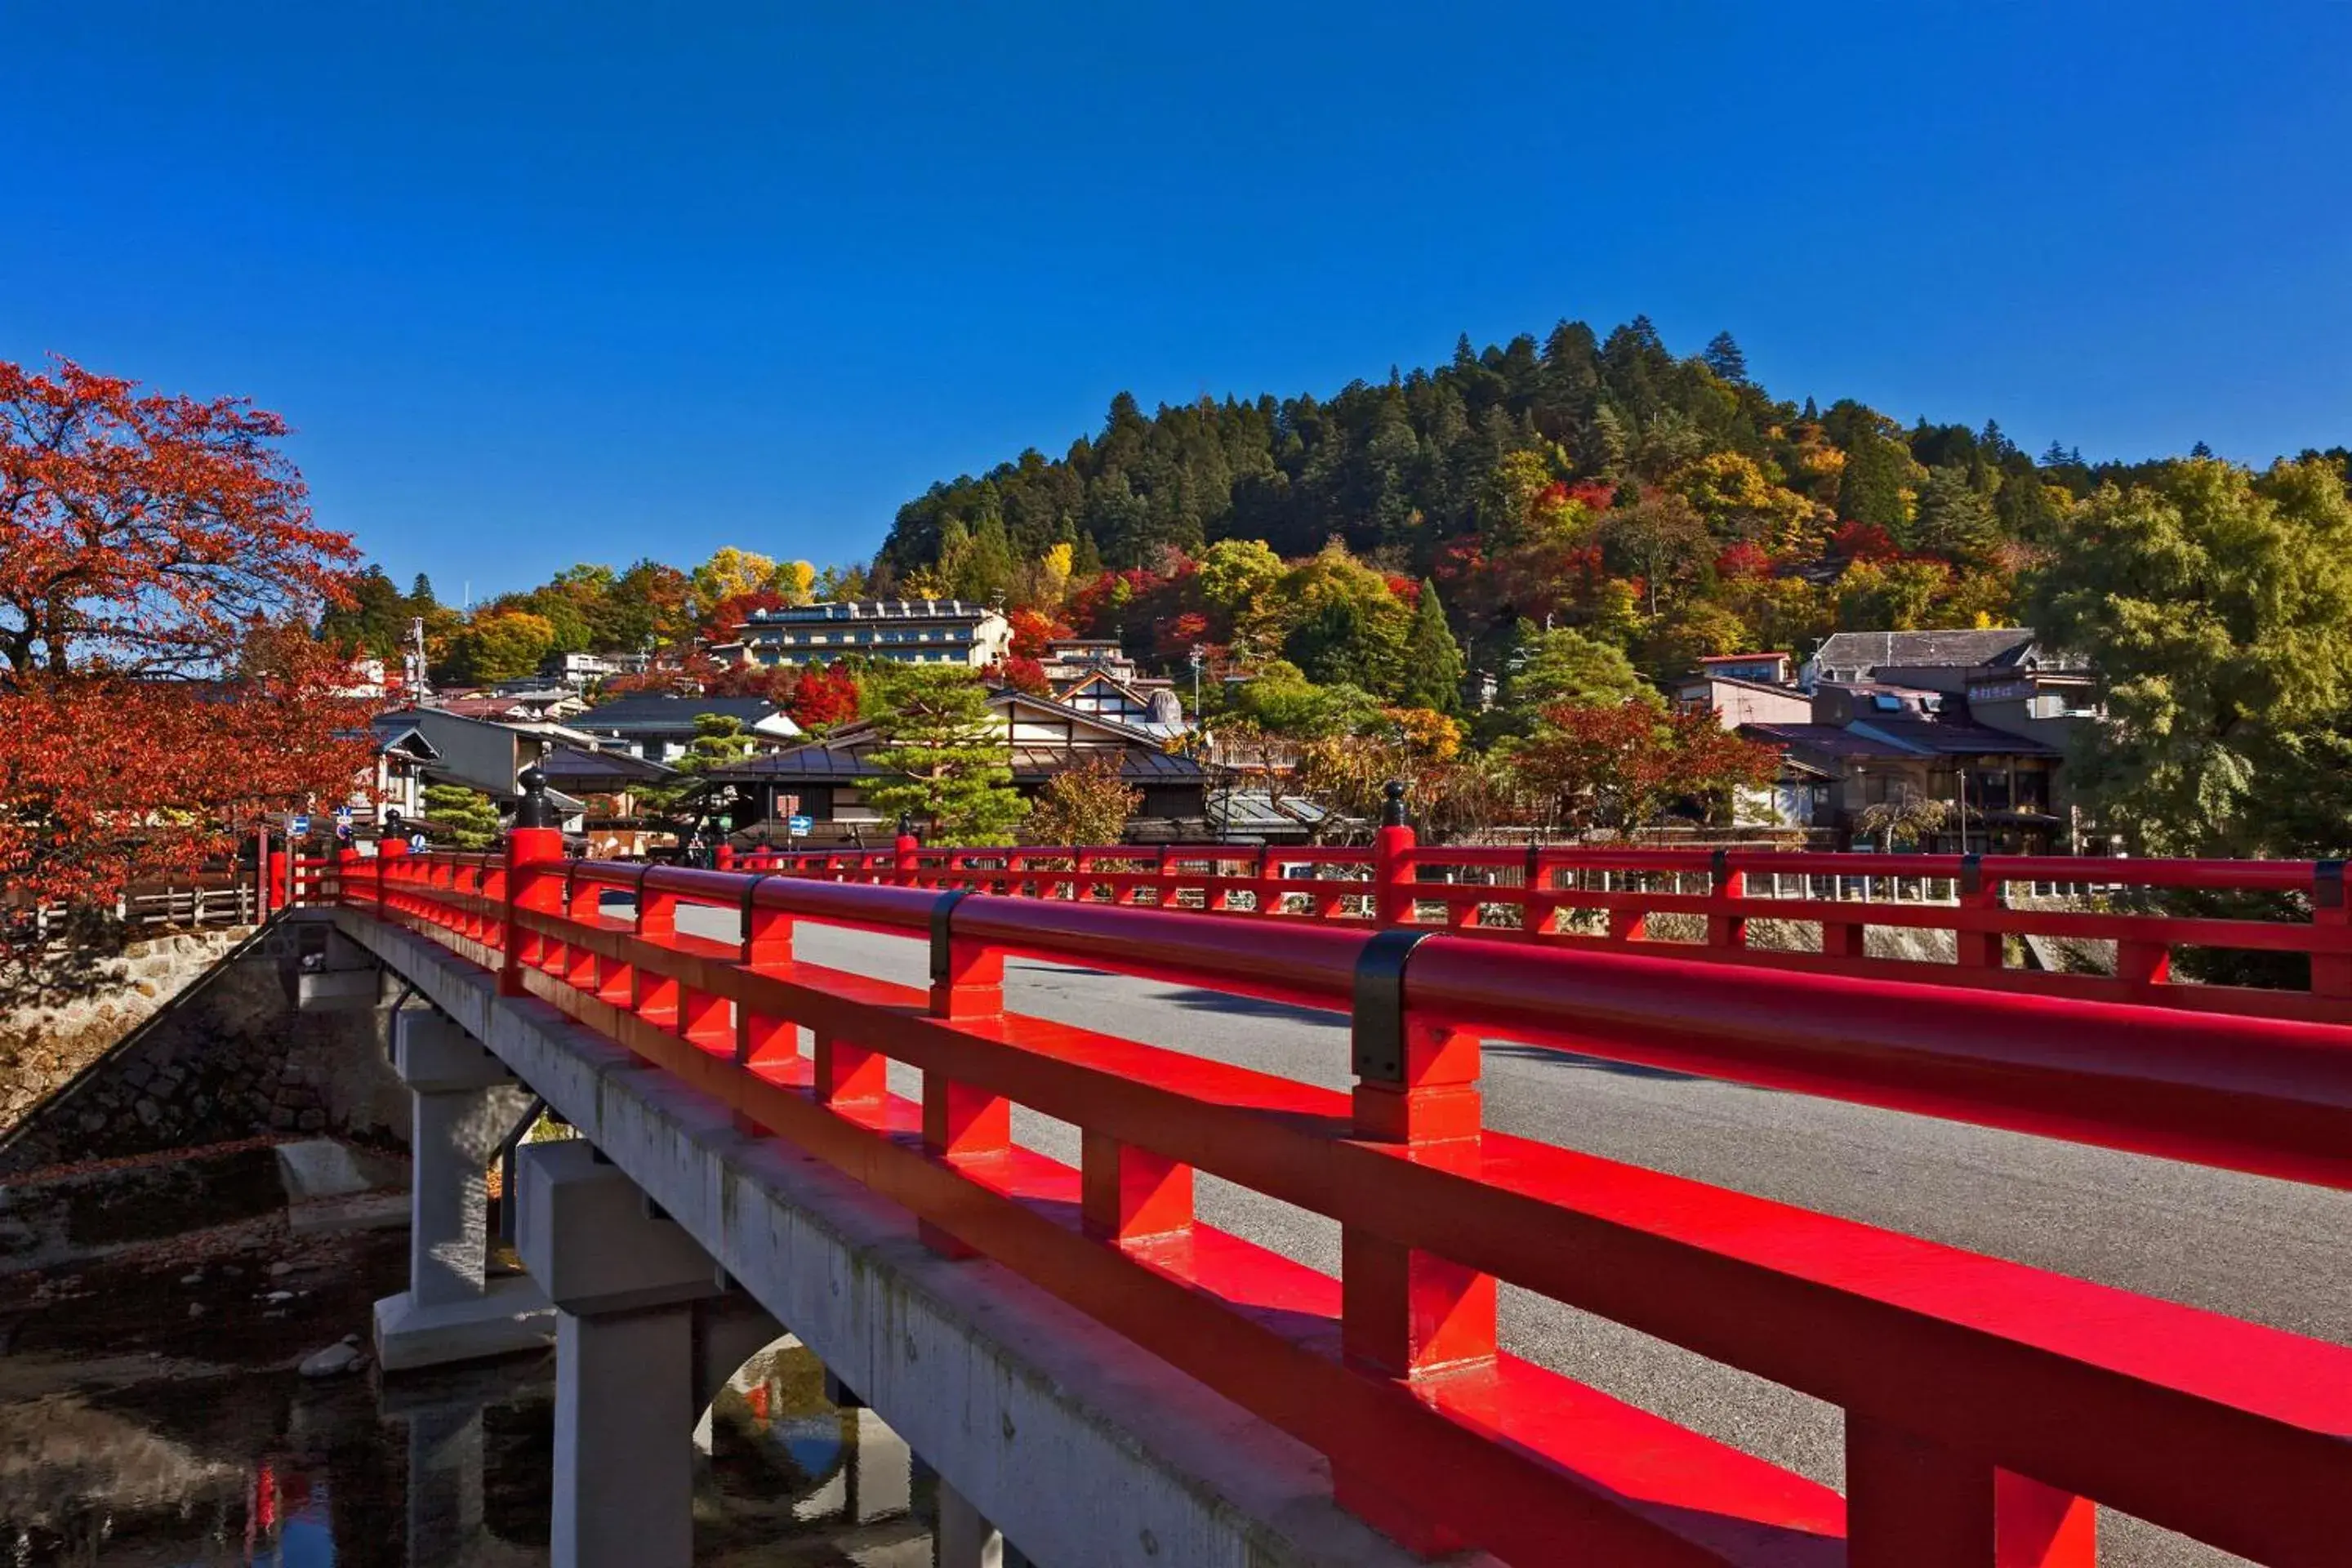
[[466, 817], [1723, 358], [944, 744], [420, 594], [1433, 659]]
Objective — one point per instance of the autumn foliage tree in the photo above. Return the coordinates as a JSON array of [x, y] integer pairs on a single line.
[[1088, 803], [159, 571], [1618, 767]]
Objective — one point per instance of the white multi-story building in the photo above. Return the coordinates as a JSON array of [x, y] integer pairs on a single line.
[[909, 631]]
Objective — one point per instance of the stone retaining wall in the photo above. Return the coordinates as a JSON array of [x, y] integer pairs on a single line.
[[189, 1040]]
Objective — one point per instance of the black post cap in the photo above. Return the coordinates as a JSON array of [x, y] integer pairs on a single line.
[[906, 825], [535, 810], [1392, 810], [390, 825]]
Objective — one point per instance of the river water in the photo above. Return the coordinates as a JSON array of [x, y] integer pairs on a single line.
[[151, 1417]]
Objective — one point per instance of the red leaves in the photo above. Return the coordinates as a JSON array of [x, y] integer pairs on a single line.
[[109, 781], [1744, 561], [824, 697], [1022, 675], [1864, 541], [1620, 765], [1033, 629], [145, 531]]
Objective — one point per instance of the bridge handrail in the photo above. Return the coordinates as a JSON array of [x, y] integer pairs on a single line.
[[1551, 895], [2225, 1430]]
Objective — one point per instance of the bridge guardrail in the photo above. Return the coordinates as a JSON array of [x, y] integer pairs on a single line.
[[1985, 1401], [1608, 897]]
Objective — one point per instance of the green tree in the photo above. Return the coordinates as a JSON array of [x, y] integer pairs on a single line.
[[1432, 661], [1566, 666], [464, 818], [1723, 358], [947, 752], [2217, 608], [1234, 572], [1954, 519]]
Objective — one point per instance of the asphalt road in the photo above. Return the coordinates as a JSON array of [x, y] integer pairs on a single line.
[[2268, 1251]]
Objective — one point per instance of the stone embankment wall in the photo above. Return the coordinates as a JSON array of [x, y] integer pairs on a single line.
[[183, 1040]]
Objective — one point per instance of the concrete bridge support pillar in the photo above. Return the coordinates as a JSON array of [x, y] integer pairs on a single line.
[[629, 1378], [965, 1539], [464, 1104]]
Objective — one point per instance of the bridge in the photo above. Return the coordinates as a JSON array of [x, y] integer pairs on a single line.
[[1423, 1227]]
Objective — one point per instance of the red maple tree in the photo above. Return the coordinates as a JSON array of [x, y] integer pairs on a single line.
[[825, 697], [159, 572], [1033, 629], [1020, 674], [1618, 766]]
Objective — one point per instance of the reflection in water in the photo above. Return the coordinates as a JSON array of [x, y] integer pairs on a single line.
[[133, 1435]]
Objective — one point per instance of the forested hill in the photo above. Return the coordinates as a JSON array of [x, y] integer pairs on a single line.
[[1528, 478]]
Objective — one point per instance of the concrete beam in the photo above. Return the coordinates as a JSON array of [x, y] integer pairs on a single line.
[[1077, 1445], [435, 1054], [585, 1234]]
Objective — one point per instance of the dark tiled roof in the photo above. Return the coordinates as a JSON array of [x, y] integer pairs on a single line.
[[1957, 737], [1825, 740], [1135, 763], [1956, 649], [815, 764], [653, 711], [573, 765]]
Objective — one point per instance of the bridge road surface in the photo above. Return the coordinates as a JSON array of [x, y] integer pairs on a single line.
[[2271, 1252]]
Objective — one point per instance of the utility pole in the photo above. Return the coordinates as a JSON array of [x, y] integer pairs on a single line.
[[1200, 653], [418, 686]]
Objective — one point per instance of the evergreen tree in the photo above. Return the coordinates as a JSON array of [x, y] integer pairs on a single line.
[[1954, 519], [1871, 488], [947, 755], [1433, 659], [420, 595], [1723, 358], [466, 818]]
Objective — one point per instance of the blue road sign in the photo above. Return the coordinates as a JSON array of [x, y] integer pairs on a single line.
[[798, 826], [416, 843], [300, 826]]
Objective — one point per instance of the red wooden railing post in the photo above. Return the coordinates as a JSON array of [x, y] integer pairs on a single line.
[[1979, 949], [902, 853], [533, 842], [1726, 930], [961, 1122], [1392, 870], [1912, 1503], [391, 848], [761, 1041], [724, 858], [2331, 973], [1407, 1313], [281, 878]]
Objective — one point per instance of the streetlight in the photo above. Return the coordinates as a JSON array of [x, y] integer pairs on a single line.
[[1199, 654]]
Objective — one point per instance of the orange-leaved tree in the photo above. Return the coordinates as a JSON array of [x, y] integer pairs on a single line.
[[159, 572]]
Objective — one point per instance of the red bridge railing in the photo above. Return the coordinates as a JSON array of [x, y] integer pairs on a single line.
[[1985, 1401], [1988, 906]]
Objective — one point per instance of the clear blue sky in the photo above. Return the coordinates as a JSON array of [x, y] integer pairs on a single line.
[[571, 281]]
